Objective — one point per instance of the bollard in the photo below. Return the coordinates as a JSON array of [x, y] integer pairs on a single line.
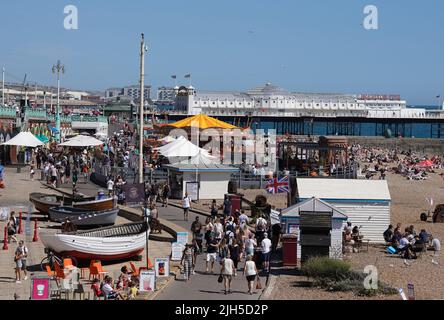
[[20, 224], [36, 238], [5, 241]]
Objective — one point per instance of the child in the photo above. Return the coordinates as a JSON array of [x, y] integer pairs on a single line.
[[133, 291], [32, 171]]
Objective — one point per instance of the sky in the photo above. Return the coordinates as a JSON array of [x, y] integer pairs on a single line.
[[299, 45]]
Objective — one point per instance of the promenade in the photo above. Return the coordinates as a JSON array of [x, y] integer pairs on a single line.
[[16, 197]]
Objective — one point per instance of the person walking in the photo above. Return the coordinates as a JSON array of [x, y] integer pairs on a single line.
[[234, 254], [110, 185], [214, 209], [266, 251], [212, 248], [250, 271], [165, 195], [186, 205], [187, 261], [227, 272], [21, 254], [11, 228], [250, 244]]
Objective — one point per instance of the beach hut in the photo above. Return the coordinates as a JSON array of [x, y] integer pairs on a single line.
[[202, 181], [314, 207], [366, 203]]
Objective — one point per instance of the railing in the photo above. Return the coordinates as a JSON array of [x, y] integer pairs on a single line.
[[130, 175], [89, 118], [7, 112]]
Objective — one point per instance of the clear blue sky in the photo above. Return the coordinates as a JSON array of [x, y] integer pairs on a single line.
[[301, 45]]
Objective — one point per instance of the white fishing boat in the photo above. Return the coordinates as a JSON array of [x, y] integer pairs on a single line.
[[110, 243]]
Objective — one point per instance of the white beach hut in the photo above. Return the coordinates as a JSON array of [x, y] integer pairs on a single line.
[[365, 202], [290, 218]]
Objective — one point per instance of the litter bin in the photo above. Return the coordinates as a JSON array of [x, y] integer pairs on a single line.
[[235, 202], [290, 250]]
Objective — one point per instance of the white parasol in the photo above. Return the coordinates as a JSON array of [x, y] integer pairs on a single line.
[[24, 139]]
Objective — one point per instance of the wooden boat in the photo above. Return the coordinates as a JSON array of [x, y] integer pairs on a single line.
[[83, 217], [95, 205], [43, 202], [107, 244]]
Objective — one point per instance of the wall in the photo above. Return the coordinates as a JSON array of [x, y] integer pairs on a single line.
[[213, 185]]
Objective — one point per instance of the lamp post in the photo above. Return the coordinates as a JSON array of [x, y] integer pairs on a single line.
[[147, 216], [3, 86], [143, 49], [57, 69]]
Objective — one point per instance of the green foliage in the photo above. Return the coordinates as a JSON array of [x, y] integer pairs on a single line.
[[324, 267], [337, 276]]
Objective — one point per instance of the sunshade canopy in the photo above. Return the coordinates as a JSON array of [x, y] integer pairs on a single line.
[[425, 163], [82, 141], [202, 121], [24, 139], [180, 147]]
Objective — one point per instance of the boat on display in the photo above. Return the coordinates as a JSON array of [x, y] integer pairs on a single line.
[[43, 202], [106, 244], [83, 217]]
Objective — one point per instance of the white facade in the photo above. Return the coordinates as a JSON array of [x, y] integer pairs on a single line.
[[213, 185], [366, 203], [269, 100], [291, 215]]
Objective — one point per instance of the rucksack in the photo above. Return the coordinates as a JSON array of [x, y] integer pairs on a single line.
[[230, 227]]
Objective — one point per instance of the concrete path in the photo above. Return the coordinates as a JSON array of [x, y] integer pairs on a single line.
[[203, 286]]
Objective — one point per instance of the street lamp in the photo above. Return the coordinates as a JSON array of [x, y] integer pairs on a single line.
[[147, 217], [57, 69]]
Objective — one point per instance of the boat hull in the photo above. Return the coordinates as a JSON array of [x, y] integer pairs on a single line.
[[82, 217], [42, 203], [87, 248], [96, 205]]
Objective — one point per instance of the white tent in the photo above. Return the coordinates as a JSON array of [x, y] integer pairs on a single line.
[[24, 139], [180, 147], [82, 141], [203, 157]]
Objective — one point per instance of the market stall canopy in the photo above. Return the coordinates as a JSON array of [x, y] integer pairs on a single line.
[[202, 121], [82, 141], [24, 139], [202, 158], [180, 147]]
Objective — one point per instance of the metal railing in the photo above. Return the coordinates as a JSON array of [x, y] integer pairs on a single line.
[[130, 175]]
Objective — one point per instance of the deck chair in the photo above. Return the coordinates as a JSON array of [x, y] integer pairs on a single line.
[[134, 269], [59, 272], [50, 273], [96, 270]]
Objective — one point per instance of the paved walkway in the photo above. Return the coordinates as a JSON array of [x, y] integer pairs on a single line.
[[202, 286], [16, 197]]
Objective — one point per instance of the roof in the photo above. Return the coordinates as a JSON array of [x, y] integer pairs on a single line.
[[313, 205], [203, 122], [348, 190], [201, 168]]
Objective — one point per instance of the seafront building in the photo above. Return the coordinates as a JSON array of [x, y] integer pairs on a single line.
[[271, 107]]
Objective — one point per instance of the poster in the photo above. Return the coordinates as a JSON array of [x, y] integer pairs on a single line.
[[147, 280], [182, 238], [192, 189], [134, 193], [293, 229], [275, 217], [177, 251], [40, 288], [162, 267]]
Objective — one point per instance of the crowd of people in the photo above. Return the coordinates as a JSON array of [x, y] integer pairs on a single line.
[[125, 288], [228, 240], [410, 164], [409, 242]]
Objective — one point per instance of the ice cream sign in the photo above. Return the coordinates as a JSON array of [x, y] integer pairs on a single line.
[[40, 288]]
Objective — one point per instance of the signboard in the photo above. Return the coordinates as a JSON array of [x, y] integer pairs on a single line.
[[293, 229], [411, 291], [40, 288], [177, 251], [134, 193], [192, 188], [275, 217], [147, 280], [182, 238], [162, 267]]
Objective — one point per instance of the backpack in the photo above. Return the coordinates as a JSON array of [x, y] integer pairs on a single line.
[[230, 227]]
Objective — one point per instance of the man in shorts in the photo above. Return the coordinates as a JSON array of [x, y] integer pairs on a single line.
[[21, 254], [211, 253], [266, 251], [186, 205]]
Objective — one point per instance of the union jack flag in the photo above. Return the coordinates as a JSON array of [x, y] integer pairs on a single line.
[[276, 185]]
